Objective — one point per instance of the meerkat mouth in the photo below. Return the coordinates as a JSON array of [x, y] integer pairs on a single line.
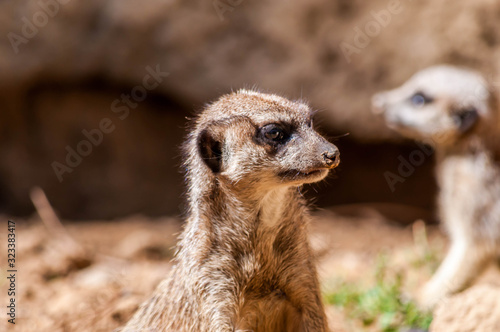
[[299, 174], [316, 171]]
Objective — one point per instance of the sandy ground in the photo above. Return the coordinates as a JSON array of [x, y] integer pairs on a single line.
[[94, 279]]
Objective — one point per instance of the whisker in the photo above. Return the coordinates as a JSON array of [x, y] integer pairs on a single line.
[[340, 136]]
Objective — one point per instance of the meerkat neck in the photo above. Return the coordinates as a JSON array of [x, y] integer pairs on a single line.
[[485, 139], [239, 213], [272, 206], [249, 207]]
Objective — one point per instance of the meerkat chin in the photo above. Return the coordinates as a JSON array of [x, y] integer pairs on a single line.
[[453, 110], [244, 261]]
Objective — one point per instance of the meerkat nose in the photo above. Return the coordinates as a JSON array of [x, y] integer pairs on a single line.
[[331, 157], [378, 103]]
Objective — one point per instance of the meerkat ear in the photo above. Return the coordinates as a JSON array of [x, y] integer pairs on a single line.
[[466, 118], [210, 149]]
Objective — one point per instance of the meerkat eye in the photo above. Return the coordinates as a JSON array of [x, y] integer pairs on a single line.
[[420, 99], [273, 132]]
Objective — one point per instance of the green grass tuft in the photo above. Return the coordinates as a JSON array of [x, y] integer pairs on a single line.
[[383, 304]]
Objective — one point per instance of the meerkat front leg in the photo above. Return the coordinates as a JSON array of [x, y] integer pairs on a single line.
[[308, 299], [464, 261], [314, 319], [219, 305]]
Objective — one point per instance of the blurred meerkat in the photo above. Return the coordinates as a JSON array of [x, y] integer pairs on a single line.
[[453, 110], [244, 261]]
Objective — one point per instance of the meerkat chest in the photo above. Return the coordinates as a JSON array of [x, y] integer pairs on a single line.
[[468, 183], [265, 304], [459, 175]]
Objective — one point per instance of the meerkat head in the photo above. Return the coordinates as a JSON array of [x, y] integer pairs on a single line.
[[439, 104], [261, 139]]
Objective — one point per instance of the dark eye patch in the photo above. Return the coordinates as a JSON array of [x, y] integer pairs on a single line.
[[420, 99], [465, 118], [274, 134]]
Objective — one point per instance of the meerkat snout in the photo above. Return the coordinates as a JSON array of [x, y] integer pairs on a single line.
[[331, 156]]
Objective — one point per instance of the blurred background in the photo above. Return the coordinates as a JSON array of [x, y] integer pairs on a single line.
[[95, 98], [67, 65]]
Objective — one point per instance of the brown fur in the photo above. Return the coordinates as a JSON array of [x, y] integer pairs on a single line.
[[461, 120], [244, 262]]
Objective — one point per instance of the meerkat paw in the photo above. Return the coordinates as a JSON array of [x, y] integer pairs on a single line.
[[432, 294]]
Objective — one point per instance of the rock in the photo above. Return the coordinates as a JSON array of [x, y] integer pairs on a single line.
[[134, 168], [474, 310], [295, 48], [65, 62]]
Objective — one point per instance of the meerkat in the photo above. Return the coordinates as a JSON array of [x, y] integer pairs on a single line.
[[244, 262], [453, 110]]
